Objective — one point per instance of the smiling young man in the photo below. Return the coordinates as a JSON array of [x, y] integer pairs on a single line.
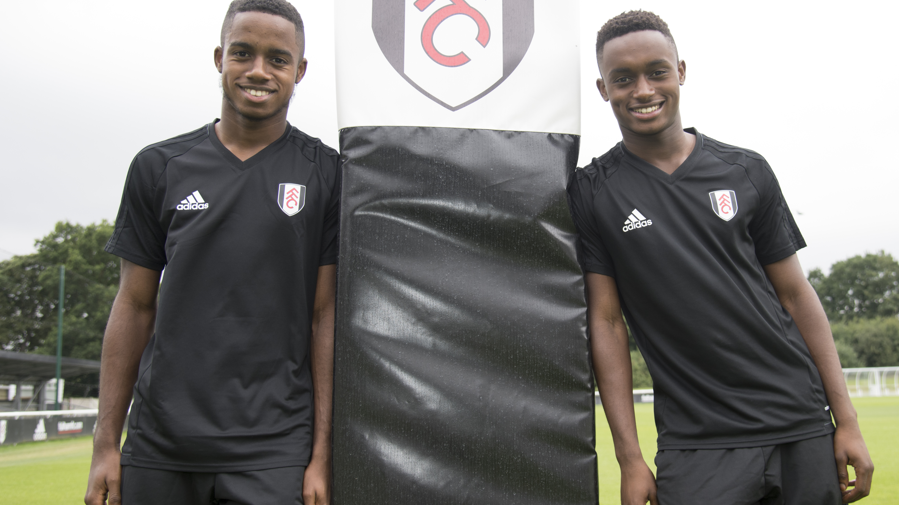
[[231, 369], [694, 241]]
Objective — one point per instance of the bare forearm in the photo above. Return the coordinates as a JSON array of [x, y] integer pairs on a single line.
[[612, 367], [126, 337], [809, 316], [799, 299], [612, 364], [131, 323], [322, 348], [323, 380]]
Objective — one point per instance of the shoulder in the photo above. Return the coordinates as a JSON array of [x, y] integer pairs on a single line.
[[593, 177], [313, 149], [150, 163], [732, 155], [753, 164], [173, 147]]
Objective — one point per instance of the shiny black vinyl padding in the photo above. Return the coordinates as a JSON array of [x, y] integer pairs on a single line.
[[462, 370]]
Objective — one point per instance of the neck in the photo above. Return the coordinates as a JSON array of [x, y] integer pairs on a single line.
[[245, 137], [667, 149]]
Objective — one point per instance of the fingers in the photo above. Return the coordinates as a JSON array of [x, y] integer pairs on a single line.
[[92, 498], [842, 473], [96, 492], [115, 498], [104, 482], [97, 495], [861, 486], [312, 495], [309, 494]]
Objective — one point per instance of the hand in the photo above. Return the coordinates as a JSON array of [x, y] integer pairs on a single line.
[[317, 482], [850, 449], [638, 485], [105, 479]]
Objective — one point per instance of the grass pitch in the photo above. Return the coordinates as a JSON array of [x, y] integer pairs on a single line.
[[45, 473], [55, 472]]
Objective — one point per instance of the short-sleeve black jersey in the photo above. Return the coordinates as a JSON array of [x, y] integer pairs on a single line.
[[729, 366], [225, 383]]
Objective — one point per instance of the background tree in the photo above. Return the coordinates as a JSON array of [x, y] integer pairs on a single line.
[[30, 293], [861, 299], [642, 379], [875, 342], [22, 305], [861, 287]]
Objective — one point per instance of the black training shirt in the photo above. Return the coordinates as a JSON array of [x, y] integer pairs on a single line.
[[225, 383], [729, 366]]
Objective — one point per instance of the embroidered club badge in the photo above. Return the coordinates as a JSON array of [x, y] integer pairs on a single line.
[[724, 203], [291, 197]]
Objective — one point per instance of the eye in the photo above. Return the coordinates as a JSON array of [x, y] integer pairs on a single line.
[[279, 61], [622, 80], [659, 73], [241, 54]]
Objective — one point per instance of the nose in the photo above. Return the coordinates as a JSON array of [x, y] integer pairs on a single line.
[[644, 89], [258, 72]]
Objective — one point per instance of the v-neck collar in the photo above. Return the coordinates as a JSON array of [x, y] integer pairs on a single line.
[[654, 171], [250, 162]]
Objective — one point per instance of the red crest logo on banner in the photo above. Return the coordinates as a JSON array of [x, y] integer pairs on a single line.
[[454, 51], [724, 203]]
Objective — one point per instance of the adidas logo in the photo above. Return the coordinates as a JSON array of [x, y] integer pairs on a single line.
[[40, 432], [193, 202], [635, 220]]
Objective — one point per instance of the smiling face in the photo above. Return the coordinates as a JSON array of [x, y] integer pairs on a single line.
[[641, 79], [261, 61]]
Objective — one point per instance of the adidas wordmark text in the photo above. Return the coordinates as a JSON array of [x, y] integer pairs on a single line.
[[635, 220], [193, 202]]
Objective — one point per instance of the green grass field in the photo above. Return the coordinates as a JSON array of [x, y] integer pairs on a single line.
[[55, 472], [45, 473]]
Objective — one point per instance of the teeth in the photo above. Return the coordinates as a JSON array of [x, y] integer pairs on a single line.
[[647, 110], [256, 92]]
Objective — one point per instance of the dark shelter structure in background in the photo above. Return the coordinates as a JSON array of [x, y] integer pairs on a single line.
[[461, 371], [22, 368]]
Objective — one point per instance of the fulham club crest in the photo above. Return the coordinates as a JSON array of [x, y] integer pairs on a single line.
[[453, 51], [291, 197], [724, 203]]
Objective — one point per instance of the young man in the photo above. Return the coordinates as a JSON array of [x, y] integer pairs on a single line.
[[232, 374], [693, 240]]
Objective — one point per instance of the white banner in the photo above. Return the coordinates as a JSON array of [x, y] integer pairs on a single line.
[[485, 64]]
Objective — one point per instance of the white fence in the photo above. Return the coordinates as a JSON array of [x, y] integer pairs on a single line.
[[883, 381]]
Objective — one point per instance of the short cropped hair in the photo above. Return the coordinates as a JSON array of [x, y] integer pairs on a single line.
[[281, 8], [631, 21]]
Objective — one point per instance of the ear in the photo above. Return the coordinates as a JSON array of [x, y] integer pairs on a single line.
[[301, 70], [217, 56], [601, 86], [681, 72]]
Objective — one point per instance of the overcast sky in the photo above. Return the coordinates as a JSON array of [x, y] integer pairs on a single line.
[[89, 83]]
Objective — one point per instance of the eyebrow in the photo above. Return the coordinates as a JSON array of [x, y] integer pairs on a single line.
[[245, 45], [660, 61], [653, 63]]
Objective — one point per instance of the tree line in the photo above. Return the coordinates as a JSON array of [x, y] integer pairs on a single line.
[[30, 288], [860, 297]]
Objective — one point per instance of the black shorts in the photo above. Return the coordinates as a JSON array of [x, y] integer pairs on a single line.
[[277, 486], [798, 473]]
